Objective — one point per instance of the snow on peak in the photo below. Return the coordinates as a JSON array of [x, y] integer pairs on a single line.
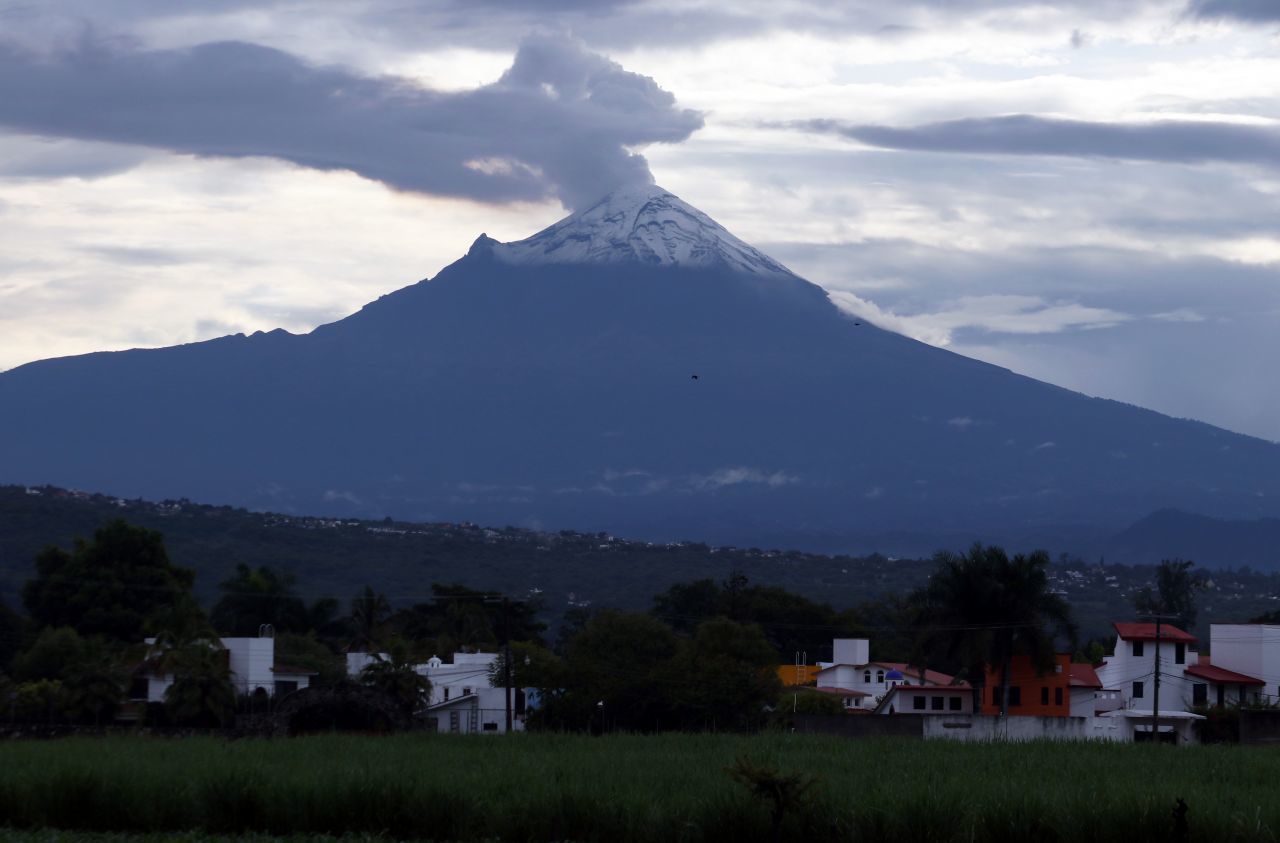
[[638, 224]]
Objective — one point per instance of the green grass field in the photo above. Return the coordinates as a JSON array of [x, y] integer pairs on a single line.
[[632, 788]]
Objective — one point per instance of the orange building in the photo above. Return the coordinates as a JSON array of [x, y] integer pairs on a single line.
[[1030, 690], [791, 675]]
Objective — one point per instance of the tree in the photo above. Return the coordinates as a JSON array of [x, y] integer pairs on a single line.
[[459, 617], [616, 671], [202, 693], [10, 636], [532, 666], [792, 624], [90, 679], [1177, 584], [982, 608], [180, 625], [108, 586], [369, 614], [724, 677], [395, 675], [305, 651], [253, 597]]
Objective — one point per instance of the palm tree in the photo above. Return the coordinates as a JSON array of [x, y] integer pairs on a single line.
[[982, 608], [369, 614]]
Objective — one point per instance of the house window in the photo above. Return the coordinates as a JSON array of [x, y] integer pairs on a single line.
[[1137, 649], [954, 703], [917, 703], [1015, 695], [1057, 696], [446, 693], [1199, 694], [285, 686], [866, 676], [1044, 695], [936, 703], [879, 677], [466, 692], [491, 727], [1180, 653], [453, 721], [1137, 690], [995, 695]]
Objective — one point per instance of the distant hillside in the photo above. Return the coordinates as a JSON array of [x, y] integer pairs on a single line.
[[337, 557], [1208, 541], [332, 557]]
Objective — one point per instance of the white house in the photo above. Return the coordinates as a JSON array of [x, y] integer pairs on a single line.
[[253, 666], [1131, 669], [1244, 665], [862, 683], [1244, 662], [462, 699], [927, 699]]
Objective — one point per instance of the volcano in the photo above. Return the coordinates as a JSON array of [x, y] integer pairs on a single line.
[[634, 368]]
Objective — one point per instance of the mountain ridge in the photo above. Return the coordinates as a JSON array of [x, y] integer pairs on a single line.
[[656, 400]]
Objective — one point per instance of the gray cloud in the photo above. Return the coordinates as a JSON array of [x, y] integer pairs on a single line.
[[1023, 134], [1249, 11], [497, 24], [561, 120]]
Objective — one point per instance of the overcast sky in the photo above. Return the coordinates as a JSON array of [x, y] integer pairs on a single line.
[[1085, 191]]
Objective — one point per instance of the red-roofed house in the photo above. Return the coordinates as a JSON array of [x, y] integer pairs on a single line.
[[1251, 649], [1131, 668], [1187, 679], [853, 669], [1213, 685]]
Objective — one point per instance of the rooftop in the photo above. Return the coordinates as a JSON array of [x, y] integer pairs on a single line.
[[1147, 632], [1084, 676], [1220, 675]]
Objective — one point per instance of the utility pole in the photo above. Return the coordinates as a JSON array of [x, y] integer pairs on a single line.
[[1155, 699]]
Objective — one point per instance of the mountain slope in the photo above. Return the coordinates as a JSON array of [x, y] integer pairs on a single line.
[[551, 383]]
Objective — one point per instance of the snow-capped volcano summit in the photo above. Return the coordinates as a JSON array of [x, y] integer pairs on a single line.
[[636, 369], [640, 223]]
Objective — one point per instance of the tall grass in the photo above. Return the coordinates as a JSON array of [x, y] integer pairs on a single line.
[[632, 788]]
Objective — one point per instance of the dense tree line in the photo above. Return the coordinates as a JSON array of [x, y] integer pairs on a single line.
[[703, 657]]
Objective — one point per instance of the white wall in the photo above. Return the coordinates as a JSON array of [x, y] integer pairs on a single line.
[[1122, 669], [251, 663], [903, 701], [1251, 649], [1034, 728], [481, 712], [852, 651]]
